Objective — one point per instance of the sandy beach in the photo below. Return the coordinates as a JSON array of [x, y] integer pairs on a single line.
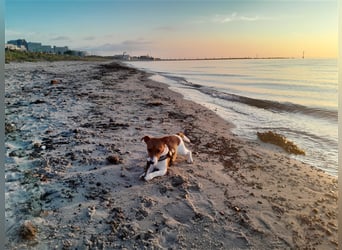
[[74, 156]]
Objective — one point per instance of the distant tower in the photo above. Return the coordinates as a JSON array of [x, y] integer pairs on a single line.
[[303, 54]]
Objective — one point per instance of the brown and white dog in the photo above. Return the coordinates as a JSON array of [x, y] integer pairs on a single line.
[[162, 152]]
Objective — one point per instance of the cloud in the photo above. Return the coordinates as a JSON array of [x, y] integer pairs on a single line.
[[13, 33], [234, 17], [60, 38], [165, 28], [16, 34], [131, 46], [136, 43], [89, 38]]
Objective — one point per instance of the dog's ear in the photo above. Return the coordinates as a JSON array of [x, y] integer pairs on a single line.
[[146, 138]]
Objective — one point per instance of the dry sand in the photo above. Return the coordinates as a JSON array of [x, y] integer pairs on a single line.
[[74, 157]]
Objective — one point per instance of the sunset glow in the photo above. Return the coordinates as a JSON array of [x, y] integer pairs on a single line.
[[179, 29]]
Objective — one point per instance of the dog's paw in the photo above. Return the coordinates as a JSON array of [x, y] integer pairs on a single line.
[[141, 177], [148, 177], [190, 160]]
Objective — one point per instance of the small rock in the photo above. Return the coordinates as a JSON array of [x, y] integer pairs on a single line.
[[155, 104], [56, 81], [237, 209], [177, 181], [113, 159], [37, 144], [9, 128], [20, 153], [38, 101], [315, 211], [91, 211]]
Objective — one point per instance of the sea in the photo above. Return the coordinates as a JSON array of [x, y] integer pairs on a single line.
[[297, 98]]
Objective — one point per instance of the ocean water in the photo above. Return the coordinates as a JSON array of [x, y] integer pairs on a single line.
[[297, 98]]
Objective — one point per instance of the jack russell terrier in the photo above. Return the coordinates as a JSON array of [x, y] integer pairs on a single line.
[[162, 152]]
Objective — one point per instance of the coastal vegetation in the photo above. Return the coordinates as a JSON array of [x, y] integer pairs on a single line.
[[24, 56]]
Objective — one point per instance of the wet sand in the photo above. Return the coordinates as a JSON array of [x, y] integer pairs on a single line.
[[74, 157]]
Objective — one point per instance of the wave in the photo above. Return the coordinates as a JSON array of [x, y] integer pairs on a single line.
[[273, 105], [262, 104]]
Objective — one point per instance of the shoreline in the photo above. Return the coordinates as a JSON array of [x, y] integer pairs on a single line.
[[236, 193], [312, 129]]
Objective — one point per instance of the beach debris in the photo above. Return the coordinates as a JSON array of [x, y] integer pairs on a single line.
[[154, 104], [10, 127], [281, 141], [37, 144], [38, 101], [237, 209], [56, 81], [177, 180], [20, 153], [114, 159], [28, 231], [91, 211]]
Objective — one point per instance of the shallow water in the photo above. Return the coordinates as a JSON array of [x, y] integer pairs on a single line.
[[295, 97]]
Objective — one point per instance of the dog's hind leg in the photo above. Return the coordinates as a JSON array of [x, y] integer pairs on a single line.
[[184, 151]]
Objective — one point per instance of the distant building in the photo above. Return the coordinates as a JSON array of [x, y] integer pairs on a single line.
[[46, 49], [124, 57], [9, 46], [60, 50], [34, 47], [80, 53], [19, 43], [146, 58], [76, 53]]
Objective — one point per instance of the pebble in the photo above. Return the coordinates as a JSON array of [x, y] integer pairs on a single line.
[[237, 209], [113, 159], [91, 211], [177, 181], [55, 81], [10, 127]]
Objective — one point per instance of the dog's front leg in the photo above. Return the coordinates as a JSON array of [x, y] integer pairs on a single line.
[[161, 171], [148, 169], [150, 176]]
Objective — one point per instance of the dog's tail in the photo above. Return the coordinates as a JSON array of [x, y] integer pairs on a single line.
[[183, 136]]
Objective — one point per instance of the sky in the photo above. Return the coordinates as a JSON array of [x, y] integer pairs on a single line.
[[179, 29]]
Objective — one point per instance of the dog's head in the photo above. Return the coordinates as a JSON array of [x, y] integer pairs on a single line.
[[155, 148]]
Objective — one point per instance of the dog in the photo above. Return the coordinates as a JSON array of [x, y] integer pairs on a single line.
[[162, 152]]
